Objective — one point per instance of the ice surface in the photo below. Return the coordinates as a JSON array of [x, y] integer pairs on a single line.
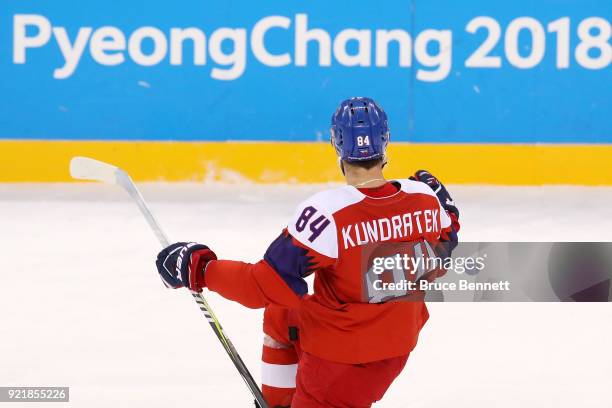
[[81, 305]]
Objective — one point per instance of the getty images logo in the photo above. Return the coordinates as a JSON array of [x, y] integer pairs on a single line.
[[110, 46]]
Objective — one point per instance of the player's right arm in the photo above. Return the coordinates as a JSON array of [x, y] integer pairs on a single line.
[[449, 237]]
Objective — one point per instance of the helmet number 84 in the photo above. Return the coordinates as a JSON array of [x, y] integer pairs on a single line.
[[363, 141]]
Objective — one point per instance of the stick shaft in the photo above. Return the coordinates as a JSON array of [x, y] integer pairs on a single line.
[[126, 182]]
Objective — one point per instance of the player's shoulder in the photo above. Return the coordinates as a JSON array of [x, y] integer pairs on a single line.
[[415, 187], [332, 200], [313, 223]]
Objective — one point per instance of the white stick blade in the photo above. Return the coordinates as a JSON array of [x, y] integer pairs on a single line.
[[84, 168]]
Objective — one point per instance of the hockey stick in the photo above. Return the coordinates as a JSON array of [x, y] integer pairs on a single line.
[[84, 168]]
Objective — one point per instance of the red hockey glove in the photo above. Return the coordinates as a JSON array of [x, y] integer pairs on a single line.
[[445, 199], [183, 264], [449, 239]]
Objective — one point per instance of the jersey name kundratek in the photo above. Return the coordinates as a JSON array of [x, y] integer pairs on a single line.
[[393, 228]]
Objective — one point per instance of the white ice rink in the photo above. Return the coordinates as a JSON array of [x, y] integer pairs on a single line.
[[81, 304]]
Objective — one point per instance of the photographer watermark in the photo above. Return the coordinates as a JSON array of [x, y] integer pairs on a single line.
[[414, 271]]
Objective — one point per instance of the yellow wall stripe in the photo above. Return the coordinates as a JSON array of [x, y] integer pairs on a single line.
[[273, 162]]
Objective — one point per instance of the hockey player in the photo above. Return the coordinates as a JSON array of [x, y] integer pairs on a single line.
[[343, 345]]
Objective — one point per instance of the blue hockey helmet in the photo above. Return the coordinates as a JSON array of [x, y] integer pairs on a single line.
[[359, 130]]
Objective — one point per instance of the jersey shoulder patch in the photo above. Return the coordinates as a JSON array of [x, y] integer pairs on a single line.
[[312, 223]]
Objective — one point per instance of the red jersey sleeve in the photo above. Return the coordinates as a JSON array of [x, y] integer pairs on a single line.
[[252, 285], [308, 243], [277, 279]]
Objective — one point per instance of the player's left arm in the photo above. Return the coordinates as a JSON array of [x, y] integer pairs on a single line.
[[277, 279], [253, 285], [303, 247]]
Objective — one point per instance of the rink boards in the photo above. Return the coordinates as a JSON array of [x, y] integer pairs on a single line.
[[500, 93], [303, 162]]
